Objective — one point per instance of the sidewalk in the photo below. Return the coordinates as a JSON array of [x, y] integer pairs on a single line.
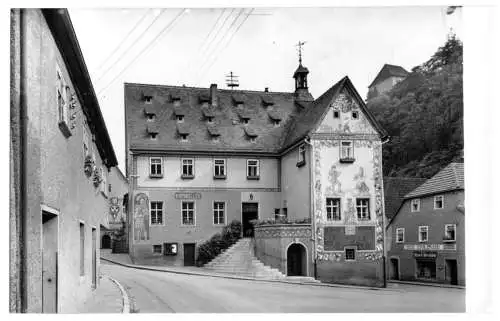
[[200, 271], [107, 298], [438, 285]]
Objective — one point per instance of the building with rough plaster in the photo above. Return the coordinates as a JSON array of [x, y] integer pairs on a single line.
[[198, 158], [60, 159], [426, 237]]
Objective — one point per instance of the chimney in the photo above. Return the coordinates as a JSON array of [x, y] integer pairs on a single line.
[[266, 89], [213, 94]]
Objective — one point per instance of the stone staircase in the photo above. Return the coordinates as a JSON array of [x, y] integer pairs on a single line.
[[240, 260]]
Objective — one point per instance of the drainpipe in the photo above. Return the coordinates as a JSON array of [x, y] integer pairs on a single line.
[[384, 256], [307, 140]]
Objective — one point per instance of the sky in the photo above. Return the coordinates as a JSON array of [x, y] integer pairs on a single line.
[[198, 47]]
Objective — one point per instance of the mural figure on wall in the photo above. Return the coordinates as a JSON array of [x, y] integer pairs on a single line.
[[361, 186], [333, 178], [141, 217]]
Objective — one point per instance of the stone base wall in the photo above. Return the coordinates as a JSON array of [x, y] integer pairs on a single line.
[[272, 242], [352, 273]]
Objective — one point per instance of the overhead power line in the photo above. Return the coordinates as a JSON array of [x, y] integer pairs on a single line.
[[148, 46], [217, 46], [131, 45], [230, 39], [124, 39]]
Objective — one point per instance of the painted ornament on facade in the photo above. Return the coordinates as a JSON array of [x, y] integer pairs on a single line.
[[379, 221], [141, 217], [114, 209], [335, 186], [361, 187]]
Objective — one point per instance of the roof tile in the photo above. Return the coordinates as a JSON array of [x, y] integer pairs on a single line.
[[448, 179]]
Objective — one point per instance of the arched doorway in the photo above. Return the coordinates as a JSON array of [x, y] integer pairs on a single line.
[[106, 242], [296, 260]]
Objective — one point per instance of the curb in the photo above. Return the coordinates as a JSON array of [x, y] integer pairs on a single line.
[[436, 285], [125, 298], [234, 277]]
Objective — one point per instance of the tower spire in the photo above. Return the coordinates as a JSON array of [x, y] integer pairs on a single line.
[[300, 76]]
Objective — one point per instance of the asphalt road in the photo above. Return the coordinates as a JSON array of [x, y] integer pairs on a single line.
[[160, 292]]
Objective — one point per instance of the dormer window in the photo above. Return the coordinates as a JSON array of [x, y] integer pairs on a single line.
[[253, 139], [276, 122], [251, 134], [184, 137], [152, 130], [179, 118], [183, 131], [210, 120], [151, 117], [148, 99], [244, 121], [153, 136], [355, 115]]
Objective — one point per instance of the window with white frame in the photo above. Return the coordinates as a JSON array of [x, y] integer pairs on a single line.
[[415, 205], [187, 167], [62, 93], [450, 232], [400, 235], [438, 202], [302, 155], [333, 209], [219, 213], [187, 213], [156, 212], [219, 168], [423, 233], [252, 168], [155, 167], [363, 208], [346, 151]]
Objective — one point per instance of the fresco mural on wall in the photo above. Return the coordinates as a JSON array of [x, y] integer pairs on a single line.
[[141, 217], [115, 211]]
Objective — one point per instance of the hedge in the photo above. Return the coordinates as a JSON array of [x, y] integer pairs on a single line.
[[219, 242]]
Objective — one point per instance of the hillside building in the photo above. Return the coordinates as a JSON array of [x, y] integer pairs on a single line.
[[386, 79]]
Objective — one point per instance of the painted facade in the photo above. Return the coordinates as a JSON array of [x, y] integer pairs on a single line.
[[438, 258], [297, 142], [61, 148], [348, 182]]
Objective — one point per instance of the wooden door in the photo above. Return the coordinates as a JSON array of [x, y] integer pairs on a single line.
[[189, 254], [394, 269], [49, 262], [451, 272], [249, 212]]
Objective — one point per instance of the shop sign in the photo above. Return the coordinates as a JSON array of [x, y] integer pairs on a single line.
[[185, 196], [417, 254], [430, 247]]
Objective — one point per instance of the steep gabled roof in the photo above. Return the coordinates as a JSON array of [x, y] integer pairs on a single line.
[[389, 71], [448, 179], [307, 121], [395, 189]]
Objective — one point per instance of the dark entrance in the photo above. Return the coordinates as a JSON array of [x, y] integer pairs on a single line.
[[106, 242], [394, 269], [189, 259], [49, 262], [296, 260], [451, 272], [249, 211], [94, 258]]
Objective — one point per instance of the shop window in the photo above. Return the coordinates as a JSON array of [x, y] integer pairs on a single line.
[[157, 249], [170, 248], [426, 269], [276, 214]]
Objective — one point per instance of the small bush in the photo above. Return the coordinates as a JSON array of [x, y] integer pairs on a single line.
[[219, 242]]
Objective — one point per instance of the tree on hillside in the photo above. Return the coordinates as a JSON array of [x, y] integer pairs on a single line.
[[424, 115]]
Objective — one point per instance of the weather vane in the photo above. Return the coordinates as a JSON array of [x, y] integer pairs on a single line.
[[300, 44]]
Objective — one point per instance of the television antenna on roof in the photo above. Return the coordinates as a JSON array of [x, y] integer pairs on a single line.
[[232, 80]]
